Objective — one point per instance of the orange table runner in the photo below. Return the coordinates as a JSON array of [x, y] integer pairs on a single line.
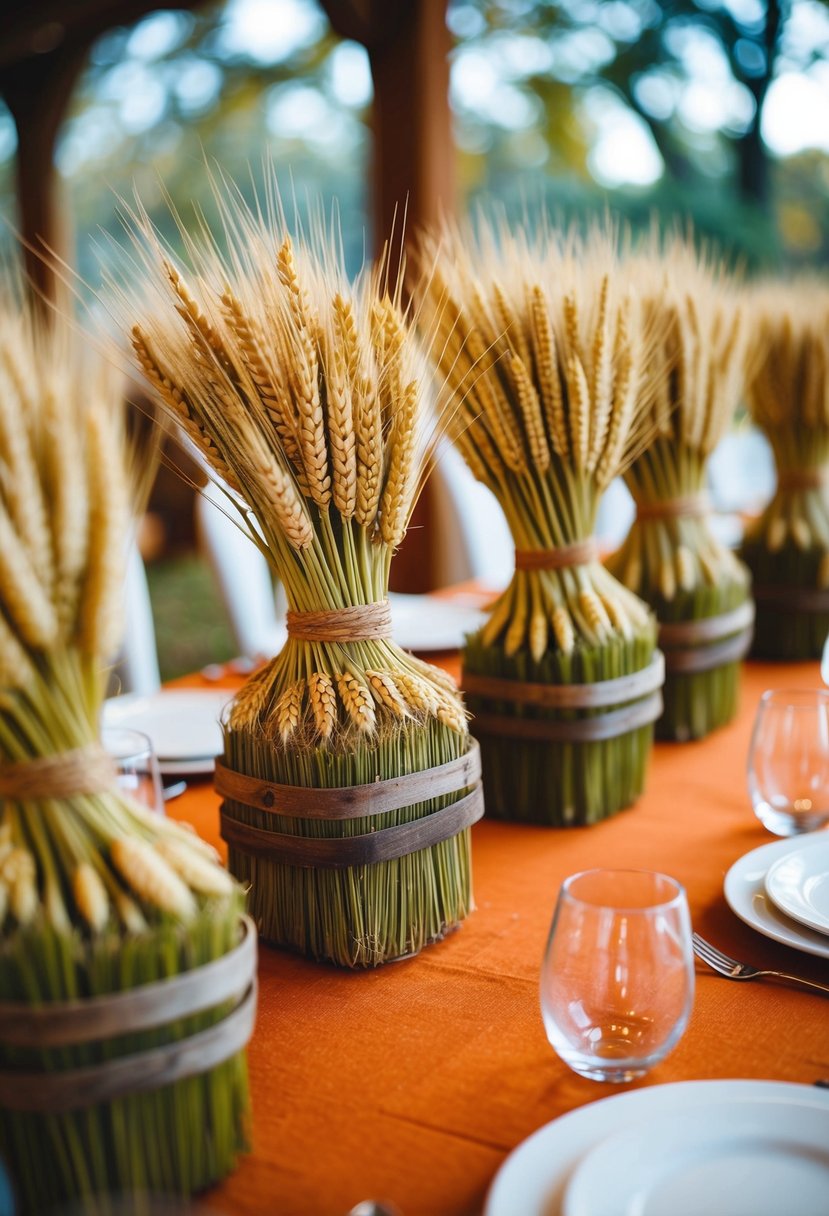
[[411, 1083]]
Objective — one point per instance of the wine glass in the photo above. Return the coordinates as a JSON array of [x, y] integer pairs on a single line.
[[136, 765], [788, 760], [617, 981]]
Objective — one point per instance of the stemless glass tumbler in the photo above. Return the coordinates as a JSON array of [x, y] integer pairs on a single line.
[[137, 766], [788, 761], [617, 981]]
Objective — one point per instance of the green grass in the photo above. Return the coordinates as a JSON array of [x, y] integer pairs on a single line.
[[191, 627]]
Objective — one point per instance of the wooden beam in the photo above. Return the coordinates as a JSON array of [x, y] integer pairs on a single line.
[[43, 50], [44, 25], [37, 92], [413, 173], [414, 153]]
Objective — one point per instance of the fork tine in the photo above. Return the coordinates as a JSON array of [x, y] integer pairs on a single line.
[[711, 955]]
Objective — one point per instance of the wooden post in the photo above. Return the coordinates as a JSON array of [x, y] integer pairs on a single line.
[[414, 152], [37, 91], [413, 176], [413, 168]]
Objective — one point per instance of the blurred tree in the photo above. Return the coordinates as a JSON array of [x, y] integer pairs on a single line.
[[680, 88], [582, 104], [237, 86]]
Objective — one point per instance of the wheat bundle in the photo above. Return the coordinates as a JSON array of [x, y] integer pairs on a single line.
[[306, 397], [787, 548], [696, 586], [543, 350], [106, 909]]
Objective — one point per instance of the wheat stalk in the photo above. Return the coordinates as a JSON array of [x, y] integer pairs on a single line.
[[542, 347], [88, 904], [310, 395], [787, 391], [675, 561]]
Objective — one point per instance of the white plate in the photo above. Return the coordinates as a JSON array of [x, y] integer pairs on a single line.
[[182, 723], [425, 622], [799, 884], [739, 1156], [533, 1179], [745, 893]]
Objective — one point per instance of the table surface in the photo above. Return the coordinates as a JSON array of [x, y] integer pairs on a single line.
[[412, 1083]]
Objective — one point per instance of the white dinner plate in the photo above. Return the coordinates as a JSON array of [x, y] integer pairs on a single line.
[[182, 723], [736, 1157], [745, 894], [426, 622], [799, 884], [534, 1178]]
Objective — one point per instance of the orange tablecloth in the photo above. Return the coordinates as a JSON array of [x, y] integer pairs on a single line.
[[413, 1082]]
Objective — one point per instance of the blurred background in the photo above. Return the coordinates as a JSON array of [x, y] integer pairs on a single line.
[[717, 112]]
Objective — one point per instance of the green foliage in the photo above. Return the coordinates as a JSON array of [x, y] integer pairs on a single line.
[[190, 623]]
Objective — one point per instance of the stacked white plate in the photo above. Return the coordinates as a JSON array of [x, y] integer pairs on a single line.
[[782, 891], [183, 725], [725, 1148]]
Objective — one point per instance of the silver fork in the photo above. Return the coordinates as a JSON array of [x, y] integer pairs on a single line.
[[734, 970]]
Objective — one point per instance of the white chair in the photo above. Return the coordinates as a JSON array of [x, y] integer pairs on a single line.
[[741, 473], [255, 609], [472, 537], [136, 669], [473, 540]]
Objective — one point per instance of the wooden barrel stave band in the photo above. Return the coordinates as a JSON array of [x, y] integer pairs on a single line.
[[58, 1092], [706, 658], [72, 1023], [342, 852], [582, 730], [677, 634], [353, 801], [569, 696], [792, 599]]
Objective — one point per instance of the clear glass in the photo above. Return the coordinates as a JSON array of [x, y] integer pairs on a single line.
[[617, 981], [788, 761], [135, 760]]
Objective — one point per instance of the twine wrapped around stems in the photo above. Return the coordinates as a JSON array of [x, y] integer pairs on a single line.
[[82, 770], [357, 623]]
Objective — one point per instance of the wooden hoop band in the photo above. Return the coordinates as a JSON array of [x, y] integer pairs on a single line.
[[79, 1088], [673, 508], [83, 770], [569, 696], [71, 1023], [714, 654], [583, 730], [358, 623], [578, 554], [792, 599], [803, 479], [352, 801], [340, 853], [55, 1093], [676, 634]]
